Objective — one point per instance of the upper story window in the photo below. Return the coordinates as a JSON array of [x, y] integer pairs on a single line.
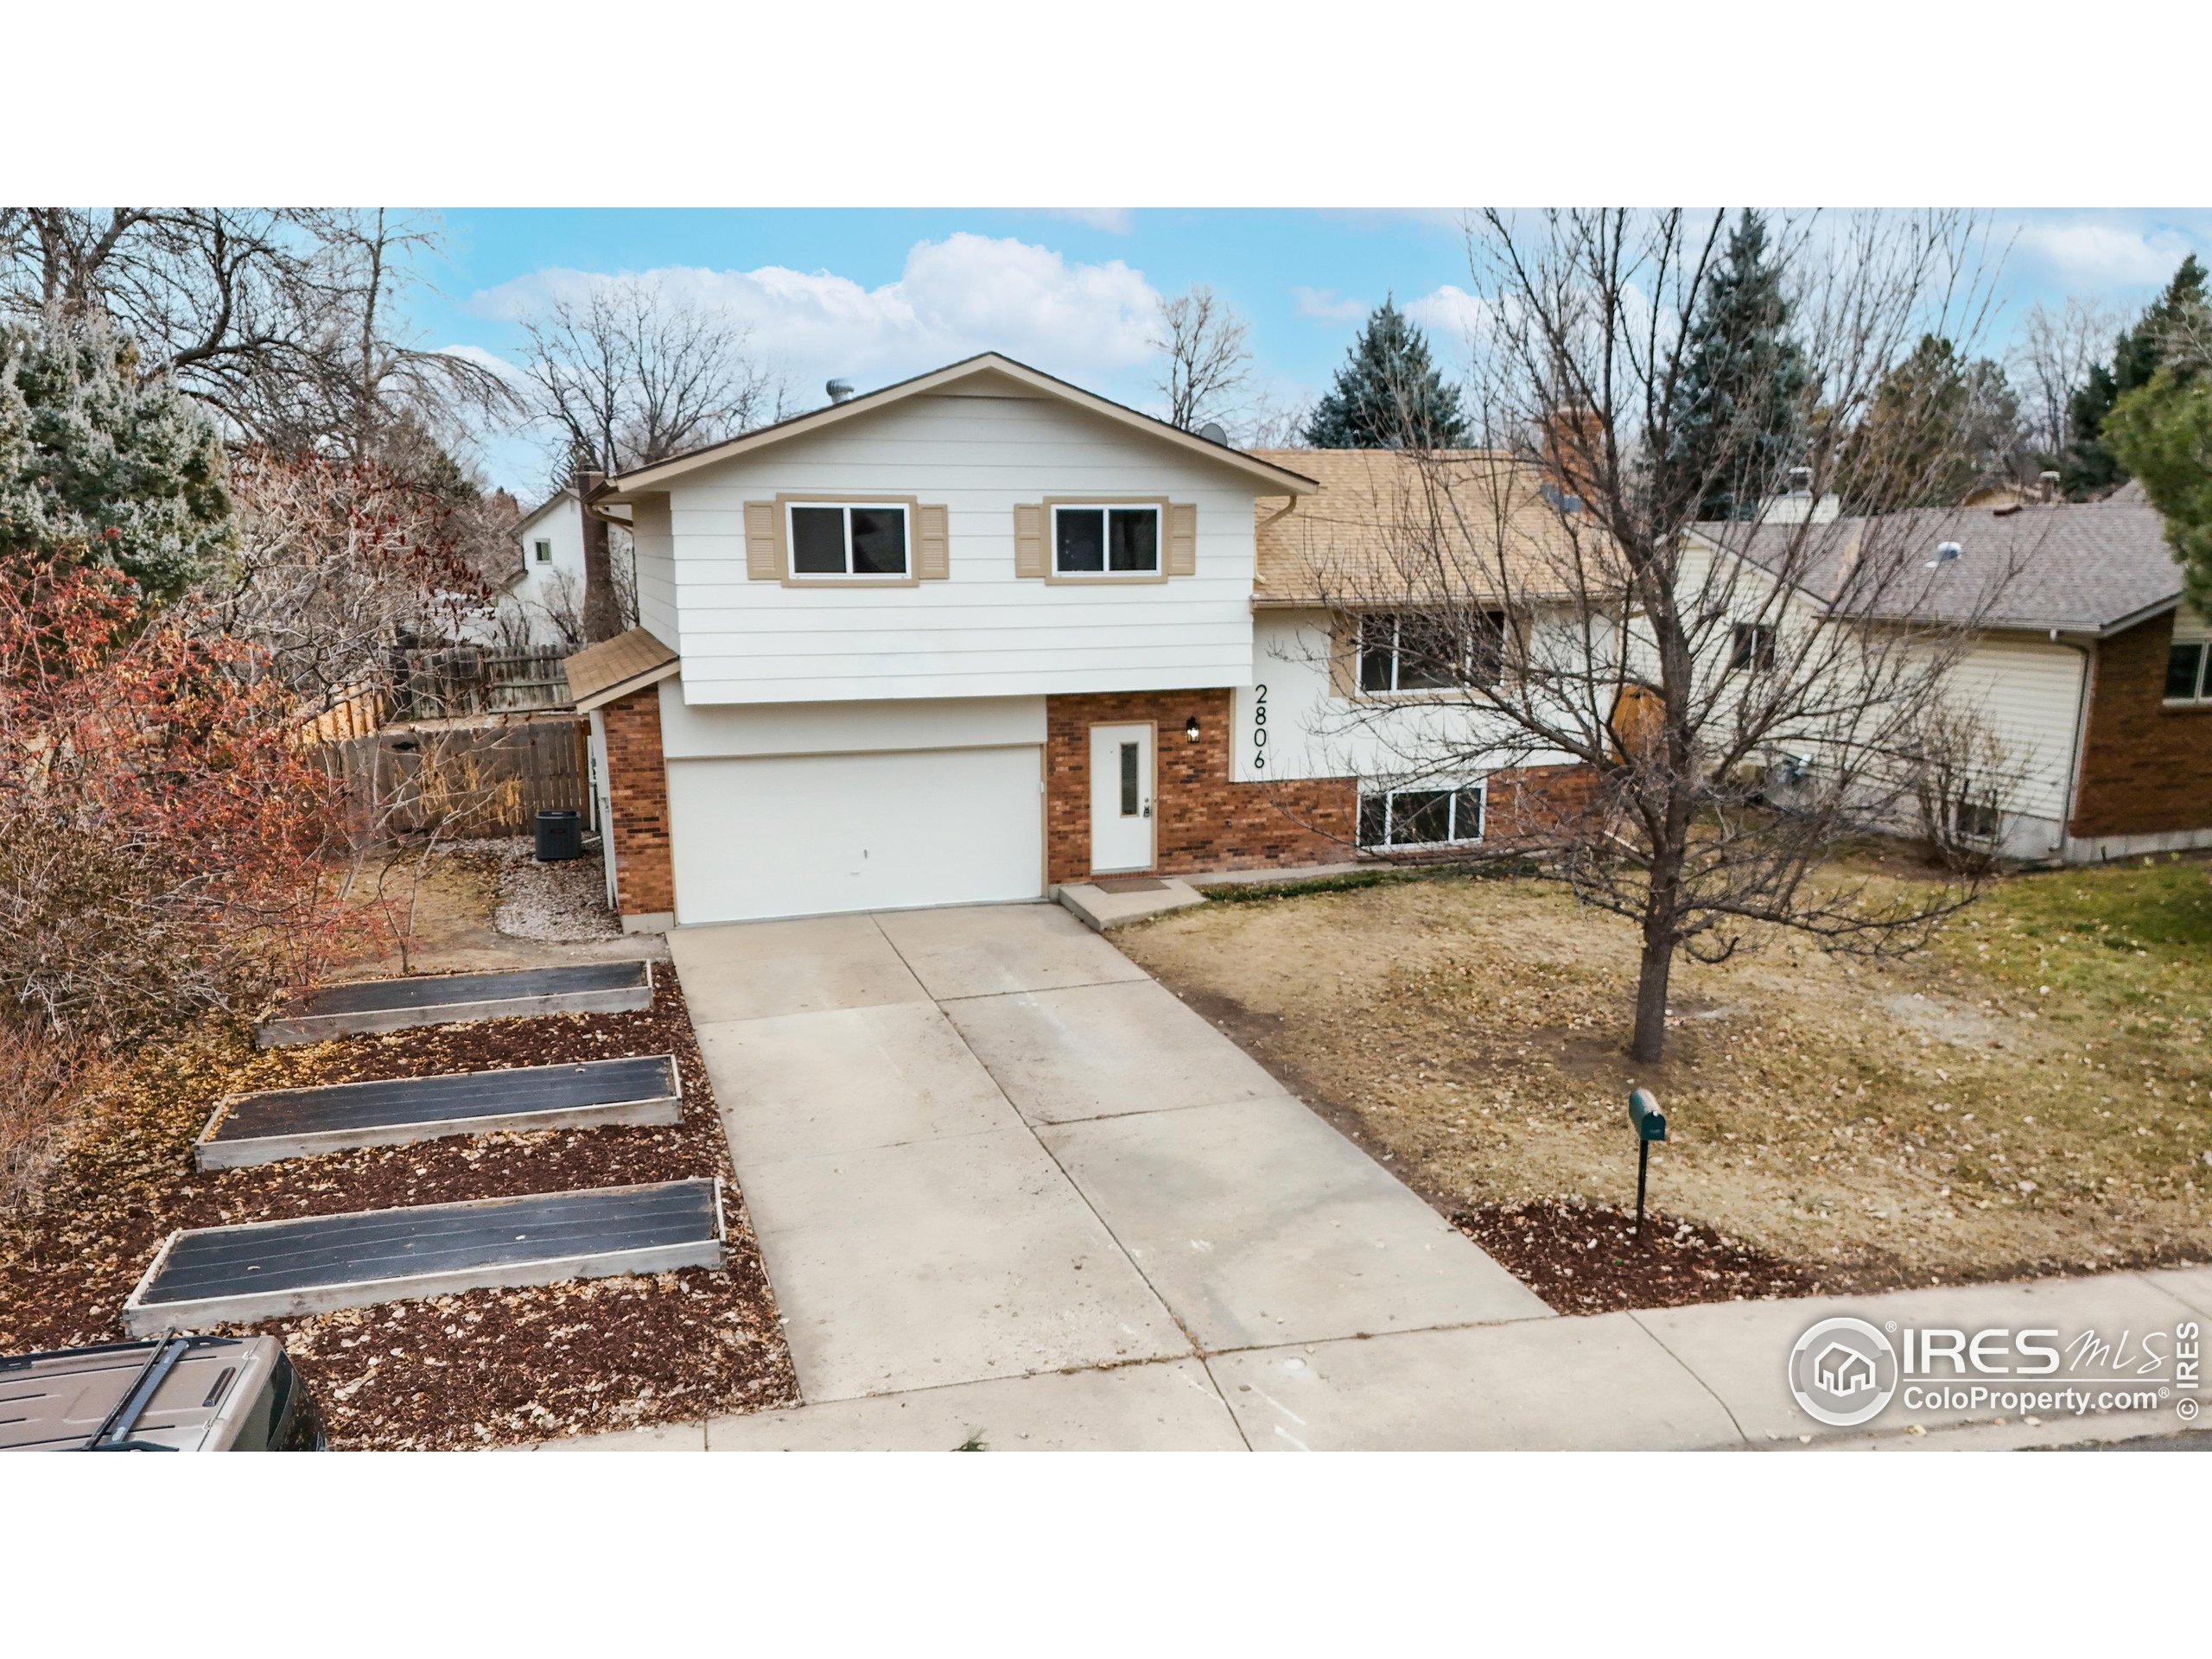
[[542, 551], [2189, 672], [1750, 647], [1414, 653], [1105, 540], [847, 539]]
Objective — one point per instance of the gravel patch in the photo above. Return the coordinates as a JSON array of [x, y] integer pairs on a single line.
[[561, 903]]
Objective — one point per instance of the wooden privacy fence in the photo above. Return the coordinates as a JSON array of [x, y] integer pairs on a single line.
[[463, 781], [445, 681]]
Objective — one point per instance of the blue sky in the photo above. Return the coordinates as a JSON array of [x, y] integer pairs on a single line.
[[876, 294]]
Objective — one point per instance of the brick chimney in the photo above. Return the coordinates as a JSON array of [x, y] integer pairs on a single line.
[[1573, 440], [602, 617]]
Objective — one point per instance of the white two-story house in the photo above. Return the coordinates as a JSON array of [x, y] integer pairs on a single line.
[[956, 641]]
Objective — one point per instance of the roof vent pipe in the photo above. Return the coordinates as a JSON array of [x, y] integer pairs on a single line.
[[2048, 479], [839, 391]]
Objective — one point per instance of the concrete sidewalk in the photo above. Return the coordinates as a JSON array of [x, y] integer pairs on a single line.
[[1708, 1377]]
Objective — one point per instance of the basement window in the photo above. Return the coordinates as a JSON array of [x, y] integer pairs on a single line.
[[1414, 653], [2189, 676], [1420, 818], [1750, 647], [1973, 820], [1105, 540], [855, 539]]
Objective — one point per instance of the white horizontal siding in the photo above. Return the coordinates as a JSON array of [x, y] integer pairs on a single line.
[[1314, 733], [983, 633], [2027, 694], [655, 568], [693, 730]]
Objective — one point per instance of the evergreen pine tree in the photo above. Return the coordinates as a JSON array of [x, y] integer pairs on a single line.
[[1738, 414], [2089, 467], [95, 466], [1388, 395]]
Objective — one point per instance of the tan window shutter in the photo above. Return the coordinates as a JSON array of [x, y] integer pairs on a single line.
[[764, 560], [1343, 655], [933, 549], [1183, 540], [1029, 541]]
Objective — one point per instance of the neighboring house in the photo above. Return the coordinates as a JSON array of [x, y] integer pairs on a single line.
[[2085, 667], [959, 640], [541, 601]]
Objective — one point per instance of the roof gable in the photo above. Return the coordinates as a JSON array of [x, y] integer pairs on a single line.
[[986, 374]]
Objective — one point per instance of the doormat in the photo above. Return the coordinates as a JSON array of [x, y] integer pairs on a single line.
[[1130, 884]]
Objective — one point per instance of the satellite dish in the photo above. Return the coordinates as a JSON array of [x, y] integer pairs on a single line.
[[1212, 433]]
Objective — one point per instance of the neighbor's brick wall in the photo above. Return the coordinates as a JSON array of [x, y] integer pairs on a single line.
[[2146, 768], [1201, 820], [637, 792]]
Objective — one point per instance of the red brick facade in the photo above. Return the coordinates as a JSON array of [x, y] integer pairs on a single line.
[[2146, 768], [1201, 821], [637, 790]]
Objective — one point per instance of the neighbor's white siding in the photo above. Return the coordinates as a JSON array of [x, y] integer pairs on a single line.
[[2027, 691], [984, 633], [544, 592]]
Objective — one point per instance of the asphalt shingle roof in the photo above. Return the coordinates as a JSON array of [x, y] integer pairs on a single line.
[[2084, 567]]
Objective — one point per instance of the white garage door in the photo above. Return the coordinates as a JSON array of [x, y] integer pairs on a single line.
[[804, 834]]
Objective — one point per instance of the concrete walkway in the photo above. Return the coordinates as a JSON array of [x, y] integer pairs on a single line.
[[1008, 1188]]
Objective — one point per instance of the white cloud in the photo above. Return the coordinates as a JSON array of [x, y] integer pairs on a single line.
[[1118, 221], [1451, 313], [2085, 251], [1327, 304], [954, 298]]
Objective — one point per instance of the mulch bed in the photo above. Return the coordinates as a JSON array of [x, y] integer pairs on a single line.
[[484, 1367], [1586, 1258]]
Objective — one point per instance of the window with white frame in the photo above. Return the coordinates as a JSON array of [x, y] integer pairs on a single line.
[[2189, 672], [856, 538], [1751, 648], [542, 551], [1414, 653], [1425, 816], [1105, 540]]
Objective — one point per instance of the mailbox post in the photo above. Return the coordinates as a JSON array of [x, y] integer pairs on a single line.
[[1650, 1124]]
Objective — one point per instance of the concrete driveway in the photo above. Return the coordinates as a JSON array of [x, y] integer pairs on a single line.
[[981, 1144]]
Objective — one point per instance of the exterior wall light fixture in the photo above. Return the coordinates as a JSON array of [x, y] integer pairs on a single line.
[[1190, 728]]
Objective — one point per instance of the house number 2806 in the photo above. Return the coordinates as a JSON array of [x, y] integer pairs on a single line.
[[1259, 728]]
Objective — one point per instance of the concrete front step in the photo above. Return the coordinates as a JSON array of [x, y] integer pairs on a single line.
[[1108, 901]]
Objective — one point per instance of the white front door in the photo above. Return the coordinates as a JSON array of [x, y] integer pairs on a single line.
[[1120, 797]]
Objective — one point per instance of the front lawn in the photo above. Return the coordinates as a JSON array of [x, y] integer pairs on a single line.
[[2032, 1094]]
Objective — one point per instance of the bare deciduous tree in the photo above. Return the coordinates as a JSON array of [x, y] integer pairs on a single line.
[[1682, 722], [2054, 354], [628, 374], [1208, 362], [631, 372], [285, 322]]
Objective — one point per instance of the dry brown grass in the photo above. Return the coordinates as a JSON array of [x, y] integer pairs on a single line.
[[1945, 1118]]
